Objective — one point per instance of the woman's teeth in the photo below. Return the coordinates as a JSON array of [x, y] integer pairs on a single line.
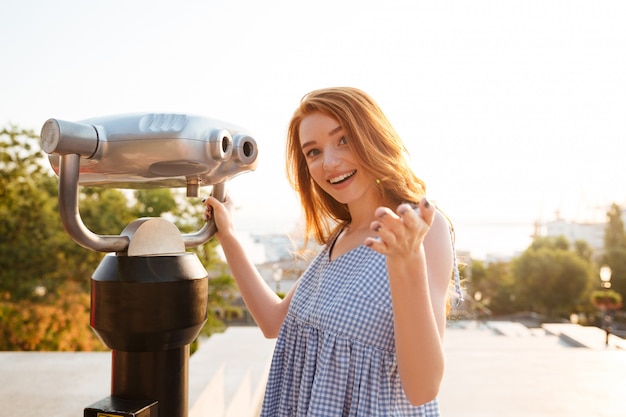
[[341, 178]]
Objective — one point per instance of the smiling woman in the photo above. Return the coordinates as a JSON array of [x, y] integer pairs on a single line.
[[361, 332]]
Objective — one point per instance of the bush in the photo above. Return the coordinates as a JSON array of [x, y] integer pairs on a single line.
[[606, 299], [60, 323]]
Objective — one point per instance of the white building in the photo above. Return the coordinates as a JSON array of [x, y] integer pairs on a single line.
[[592, 233]]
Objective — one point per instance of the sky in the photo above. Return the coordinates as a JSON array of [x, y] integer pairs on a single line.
[[514, 112]]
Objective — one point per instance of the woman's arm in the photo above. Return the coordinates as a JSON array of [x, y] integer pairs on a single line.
[[267, 309], [419, 262]]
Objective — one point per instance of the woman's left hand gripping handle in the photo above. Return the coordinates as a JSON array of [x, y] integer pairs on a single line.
[[220, 214]]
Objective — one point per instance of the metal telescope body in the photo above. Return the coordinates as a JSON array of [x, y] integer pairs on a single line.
[[149, 296], [143, 151]]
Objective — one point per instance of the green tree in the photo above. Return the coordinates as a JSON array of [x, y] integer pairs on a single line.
[[474, 275], [502, 298], [550, 242], [41, 306], [56, 323], [105, 211], [550, 278], [495, 284], [584, 250], [614, 234], [615, 249], [30, 228], [154, 202]]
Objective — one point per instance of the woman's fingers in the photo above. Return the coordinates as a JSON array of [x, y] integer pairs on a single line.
[[209, 203], [400, 231], [427, 211], [212, 204]]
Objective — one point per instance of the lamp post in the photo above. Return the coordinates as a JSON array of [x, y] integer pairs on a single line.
[[605, 282], [605, 276]]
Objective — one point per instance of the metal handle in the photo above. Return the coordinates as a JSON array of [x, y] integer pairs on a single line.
[[208, 230], [70, 216], [74, 226]]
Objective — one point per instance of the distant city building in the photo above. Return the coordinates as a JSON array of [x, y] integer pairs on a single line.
[[592, 233], [493, 258]]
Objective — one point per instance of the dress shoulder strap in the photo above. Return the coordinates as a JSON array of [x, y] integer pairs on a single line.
[[457, 276]]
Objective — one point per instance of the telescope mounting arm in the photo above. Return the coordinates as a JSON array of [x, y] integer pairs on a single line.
[[70, 215]]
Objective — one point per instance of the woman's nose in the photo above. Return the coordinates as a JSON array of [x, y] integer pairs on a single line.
[[331, 159]]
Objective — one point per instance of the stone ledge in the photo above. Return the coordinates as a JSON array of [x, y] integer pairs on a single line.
[[589, 337]]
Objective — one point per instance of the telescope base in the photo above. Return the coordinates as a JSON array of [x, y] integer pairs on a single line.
[[118, 407]]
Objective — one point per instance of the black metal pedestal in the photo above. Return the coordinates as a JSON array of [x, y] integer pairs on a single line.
[[148, 309]]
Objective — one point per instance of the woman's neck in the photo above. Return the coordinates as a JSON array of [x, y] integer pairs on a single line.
[[362, 212], [354, 233]]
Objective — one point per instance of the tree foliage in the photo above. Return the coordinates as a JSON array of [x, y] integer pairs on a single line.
[[614, 234], [497, 288], [154, 202], [62, 323], [550, 278], [606, 299], [29, 224]]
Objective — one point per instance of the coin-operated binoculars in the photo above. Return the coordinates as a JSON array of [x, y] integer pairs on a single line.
[[148, 295]]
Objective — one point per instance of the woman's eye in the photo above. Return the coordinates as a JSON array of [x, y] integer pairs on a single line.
[[312, 153], [343, 141]]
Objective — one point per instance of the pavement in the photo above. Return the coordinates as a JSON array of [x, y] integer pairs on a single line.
[[492, 370], [59, 384]]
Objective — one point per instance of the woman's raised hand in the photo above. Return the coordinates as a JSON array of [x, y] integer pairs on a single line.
[[401, 233]]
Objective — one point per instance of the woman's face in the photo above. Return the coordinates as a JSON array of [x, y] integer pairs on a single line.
[[331, 162]]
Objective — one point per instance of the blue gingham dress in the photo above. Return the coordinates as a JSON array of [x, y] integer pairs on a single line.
[[335, 354]]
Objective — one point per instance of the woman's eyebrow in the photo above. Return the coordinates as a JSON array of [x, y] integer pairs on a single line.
[[335, 130], [309, 143], [332, 132]]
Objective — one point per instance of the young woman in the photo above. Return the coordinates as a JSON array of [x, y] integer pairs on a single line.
[[361, 333]]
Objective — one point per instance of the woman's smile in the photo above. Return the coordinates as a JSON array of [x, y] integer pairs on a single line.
[[339, 179]]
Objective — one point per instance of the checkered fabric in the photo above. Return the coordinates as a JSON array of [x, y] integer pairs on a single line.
[[335, 355]]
